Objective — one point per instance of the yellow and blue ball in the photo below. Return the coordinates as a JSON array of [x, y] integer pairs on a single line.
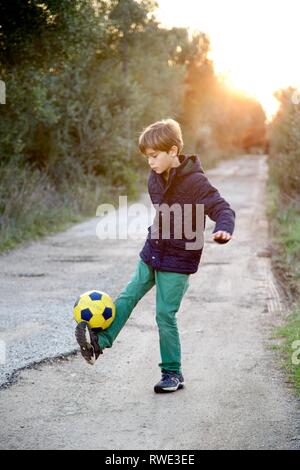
[[96, 308]]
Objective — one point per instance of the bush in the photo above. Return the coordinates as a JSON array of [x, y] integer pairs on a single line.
[[284, 136]]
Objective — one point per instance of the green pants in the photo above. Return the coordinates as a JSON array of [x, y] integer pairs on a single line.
[[170, 289]]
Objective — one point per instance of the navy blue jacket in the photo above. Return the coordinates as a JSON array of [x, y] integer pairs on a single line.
[[187, 184]]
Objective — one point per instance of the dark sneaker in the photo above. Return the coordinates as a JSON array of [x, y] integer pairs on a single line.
[[170, 382], [88, 343]]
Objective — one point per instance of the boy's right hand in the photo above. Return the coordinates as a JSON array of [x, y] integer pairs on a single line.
[[221, 236]]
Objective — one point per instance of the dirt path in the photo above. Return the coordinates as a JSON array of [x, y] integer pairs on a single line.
[[235, 396]]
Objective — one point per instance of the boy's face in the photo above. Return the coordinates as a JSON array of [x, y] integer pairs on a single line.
[[161, 161]]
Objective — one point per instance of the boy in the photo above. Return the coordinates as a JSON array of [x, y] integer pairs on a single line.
[[165, 262]]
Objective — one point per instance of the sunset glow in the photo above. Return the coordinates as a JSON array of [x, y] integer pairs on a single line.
[[254, 43]]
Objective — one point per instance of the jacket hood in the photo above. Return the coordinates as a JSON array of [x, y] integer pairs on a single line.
[[189, 164]]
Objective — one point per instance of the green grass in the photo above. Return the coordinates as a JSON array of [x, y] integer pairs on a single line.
[[289, 347], [43, 224], [285, 234], [31, 207]]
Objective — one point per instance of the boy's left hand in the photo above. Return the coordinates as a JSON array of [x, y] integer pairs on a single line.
[[221, 236]]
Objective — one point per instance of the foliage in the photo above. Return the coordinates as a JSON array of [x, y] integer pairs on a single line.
[[215, 117], [284, 134], [284, 192], [83, 78]]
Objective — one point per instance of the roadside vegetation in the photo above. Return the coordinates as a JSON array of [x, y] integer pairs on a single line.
[[284, 214]]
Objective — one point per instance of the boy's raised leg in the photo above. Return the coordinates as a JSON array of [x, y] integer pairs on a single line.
[[141, 282]]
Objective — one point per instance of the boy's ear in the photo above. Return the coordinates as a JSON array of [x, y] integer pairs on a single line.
[[174, 150]]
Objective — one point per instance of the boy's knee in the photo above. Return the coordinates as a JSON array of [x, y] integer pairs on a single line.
[[166, 319]]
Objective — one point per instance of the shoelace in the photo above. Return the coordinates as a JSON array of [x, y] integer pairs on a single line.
[[168, 376]]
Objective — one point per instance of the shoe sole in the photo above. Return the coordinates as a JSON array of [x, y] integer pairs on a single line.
[[168, 390], [83, 338]]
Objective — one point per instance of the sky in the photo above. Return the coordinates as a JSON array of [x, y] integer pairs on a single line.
[[254, 43]]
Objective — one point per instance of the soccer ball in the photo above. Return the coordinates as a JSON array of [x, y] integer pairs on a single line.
[[96, 308]]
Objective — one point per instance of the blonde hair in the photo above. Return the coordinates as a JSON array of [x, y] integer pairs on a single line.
[[161, 135]]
